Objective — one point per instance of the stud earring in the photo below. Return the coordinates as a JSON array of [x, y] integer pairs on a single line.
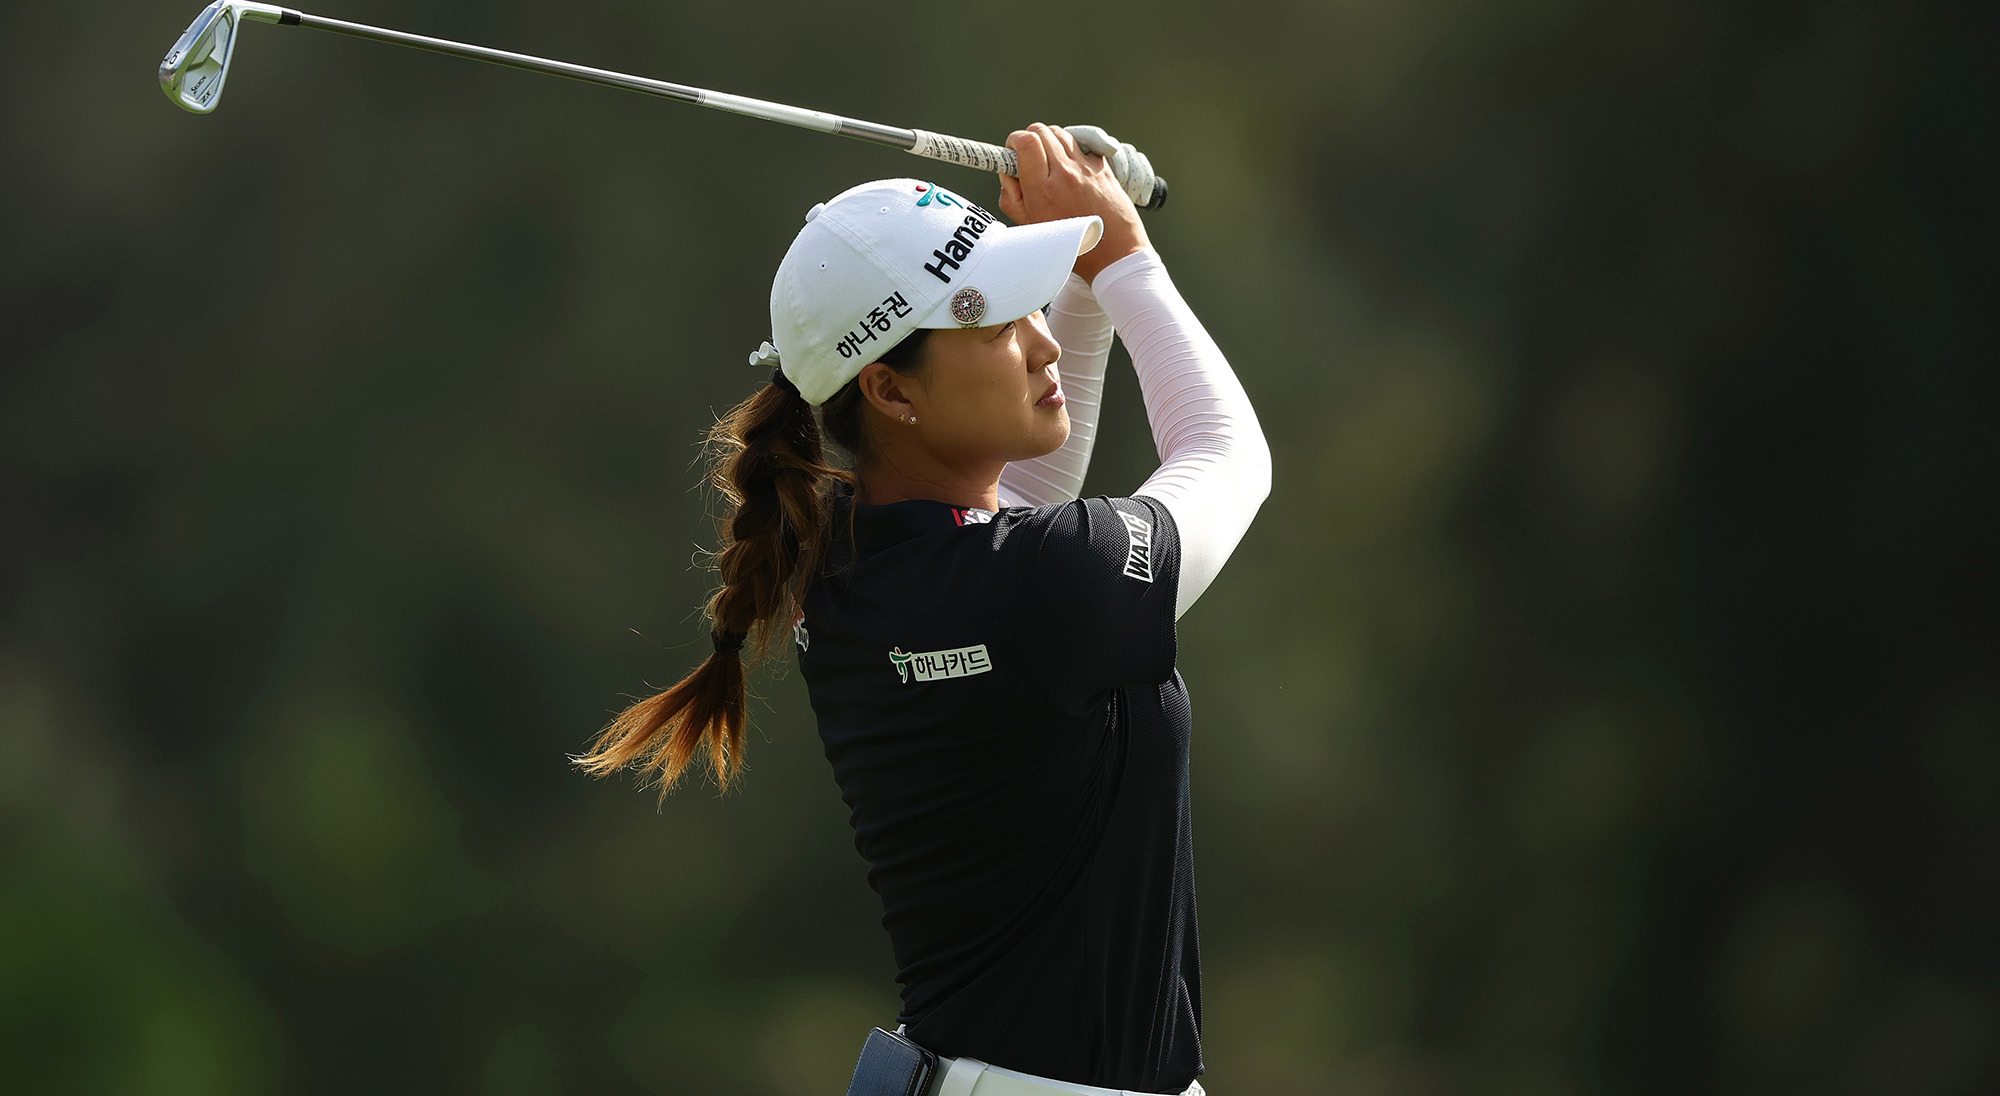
[[913, 420]]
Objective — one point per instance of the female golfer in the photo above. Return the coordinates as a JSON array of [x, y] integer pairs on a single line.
[[990, 658]]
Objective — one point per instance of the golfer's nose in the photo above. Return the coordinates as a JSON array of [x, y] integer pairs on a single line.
[[1044, 351]]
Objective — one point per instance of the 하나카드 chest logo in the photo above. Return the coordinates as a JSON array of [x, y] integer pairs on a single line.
[[940, 665]]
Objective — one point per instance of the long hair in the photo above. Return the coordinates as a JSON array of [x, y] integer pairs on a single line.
[[767, 463]]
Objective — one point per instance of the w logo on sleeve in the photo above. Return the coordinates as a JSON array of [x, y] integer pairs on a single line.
[[1139, 546]]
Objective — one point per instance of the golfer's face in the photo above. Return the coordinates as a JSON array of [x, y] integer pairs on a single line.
[[988, 395]]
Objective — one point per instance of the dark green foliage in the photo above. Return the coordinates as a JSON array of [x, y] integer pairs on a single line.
[[1604, 703]]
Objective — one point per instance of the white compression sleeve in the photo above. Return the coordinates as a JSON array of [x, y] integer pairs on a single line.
[[1215, 467], [1084, 332]]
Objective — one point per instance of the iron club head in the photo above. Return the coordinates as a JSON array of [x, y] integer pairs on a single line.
[[193, 71]]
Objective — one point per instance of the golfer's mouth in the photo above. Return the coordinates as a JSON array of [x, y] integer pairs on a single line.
[[1052, 398]]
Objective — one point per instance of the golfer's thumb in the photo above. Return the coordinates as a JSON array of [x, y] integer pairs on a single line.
[[1128, 165]]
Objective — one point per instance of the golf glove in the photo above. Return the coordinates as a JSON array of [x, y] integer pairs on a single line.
[[1133, 171]]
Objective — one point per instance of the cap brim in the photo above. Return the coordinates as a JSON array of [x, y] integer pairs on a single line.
[[1023, 269]]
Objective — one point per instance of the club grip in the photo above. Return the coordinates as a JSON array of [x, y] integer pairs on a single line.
[[996, 159]]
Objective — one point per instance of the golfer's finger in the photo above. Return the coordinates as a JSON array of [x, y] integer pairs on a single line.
[[1030, 155], [1053, 151], [1068, 141], [1092, 139], [1101, 152], [1010, 194]]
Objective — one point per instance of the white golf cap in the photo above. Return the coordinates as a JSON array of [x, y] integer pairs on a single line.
[[888, 257]]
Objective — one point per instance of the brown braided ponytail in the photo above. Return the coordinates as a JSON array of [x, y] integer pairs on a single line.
[[766, 461]]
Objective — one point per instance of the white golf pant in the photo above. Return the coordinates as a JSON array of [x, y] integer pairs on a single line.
[[971, 1077]]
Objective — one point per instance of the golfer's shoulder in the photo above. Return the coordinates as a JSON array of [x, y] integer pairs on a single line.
[[1085, 541]]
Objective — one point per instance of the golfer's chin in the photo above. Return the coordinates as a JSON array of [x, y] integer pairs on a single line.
[[1051, 431]]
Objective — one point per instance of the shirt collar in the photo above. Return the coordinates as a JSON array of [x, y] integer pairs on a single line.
[[878, 527]]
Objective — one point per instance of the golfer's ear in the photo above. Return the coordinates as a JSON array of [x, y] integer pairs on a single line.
[[882, 388]]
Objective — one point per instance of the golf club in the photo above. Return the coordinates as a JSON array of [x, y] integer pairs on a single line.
[[194, 70]]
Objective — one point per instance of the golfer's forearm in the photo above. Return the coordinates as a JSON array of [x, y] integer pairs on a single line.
[[1215, 467], [1083, 331]]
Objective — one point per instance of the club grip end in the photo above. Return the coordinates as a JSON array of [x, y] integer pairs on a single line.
[[1159, 198]]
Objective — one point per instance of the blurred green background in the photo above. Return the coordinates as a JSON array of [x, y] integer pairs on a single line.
[[1606, 701]]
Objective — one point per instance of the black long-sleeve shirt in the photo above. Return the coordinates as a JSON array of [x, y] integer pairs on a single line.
[[997, 696]]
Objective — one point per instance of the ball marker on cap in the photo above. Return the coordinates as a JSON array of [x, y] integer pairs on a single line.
[[967, 306]]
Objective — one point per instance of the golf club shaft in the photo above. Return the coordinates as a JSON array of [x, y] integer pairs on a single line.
[[957, 150]]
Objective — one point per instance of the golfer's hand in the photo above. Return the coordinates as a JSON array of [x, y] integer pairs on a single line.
[[1058, 179]]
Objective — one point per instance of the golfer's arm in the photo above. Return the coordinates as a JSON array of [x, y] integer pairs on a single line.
[[1083, 331], [1215, 467]]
